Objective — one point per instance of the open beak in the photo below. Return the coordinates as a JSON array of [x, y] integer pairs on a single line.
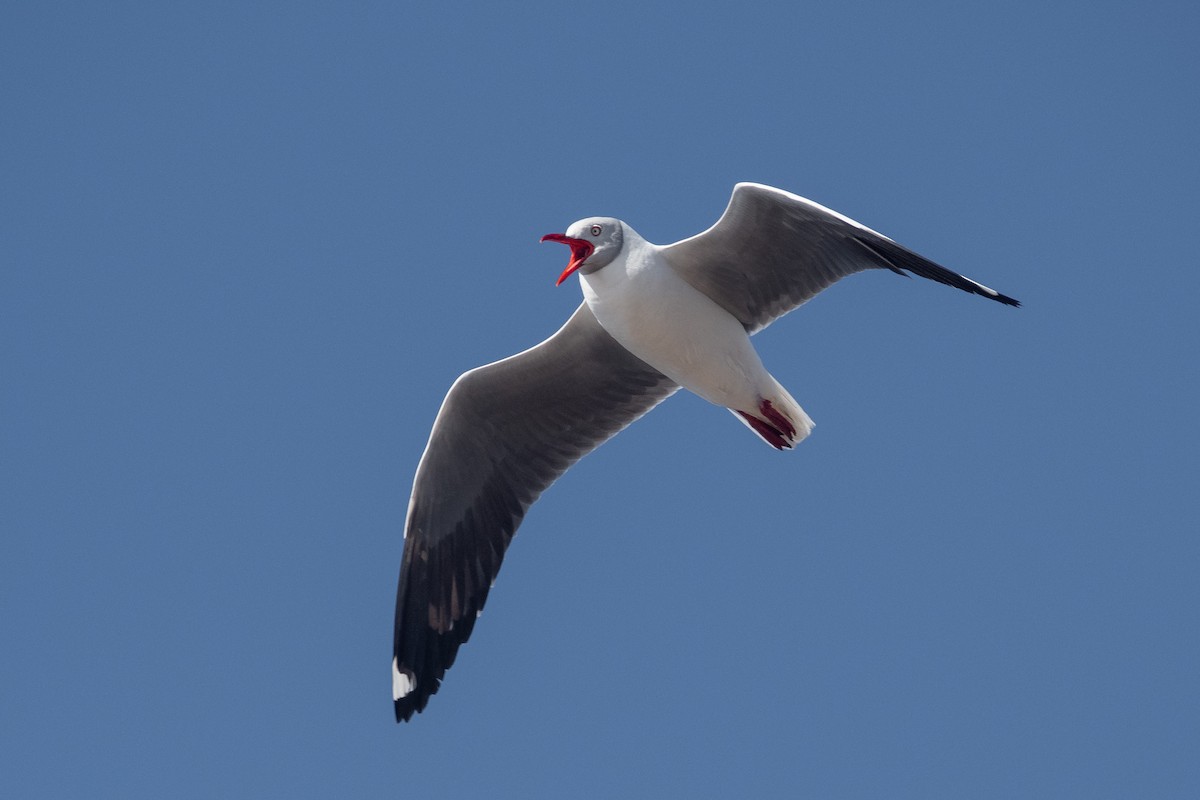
[[580, 250]]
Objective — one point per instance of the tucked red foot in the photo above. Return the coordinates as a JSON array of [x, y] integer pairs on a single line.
[[779, 421], [775, 428]]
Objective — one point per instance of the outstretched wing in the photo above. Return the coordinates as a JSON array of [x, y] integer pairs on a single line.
[[505, 432], [772, 251]]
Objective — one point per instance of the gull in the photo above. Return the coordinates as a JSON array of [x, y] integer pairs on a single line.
[[654, 318]]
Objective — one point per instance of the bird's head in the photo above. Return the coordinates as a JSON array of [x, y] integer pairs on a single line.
[[594, 243]]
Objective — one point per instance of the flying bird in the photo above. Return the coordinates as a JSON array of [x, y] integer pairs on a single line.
[[654, 318]]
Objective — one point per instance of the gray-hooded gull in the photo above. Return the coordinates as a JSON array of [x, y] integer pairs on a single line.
[[654, 318]]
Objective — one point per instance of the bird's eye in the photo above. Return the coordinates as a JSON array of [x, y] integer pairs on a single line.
[[596, 230]]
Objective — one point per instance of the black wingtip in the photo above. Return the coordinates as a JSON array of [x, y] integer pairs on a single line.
[[404, 711], [410, 693], [901, 260], [1008, 301], [414, 703]]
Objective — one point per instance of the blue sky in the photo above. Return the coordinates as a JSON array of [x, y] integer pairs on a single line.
[[246, 248]]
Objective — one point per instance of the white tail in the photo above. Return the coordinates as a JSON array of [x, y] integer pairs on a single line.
[[779, 420]]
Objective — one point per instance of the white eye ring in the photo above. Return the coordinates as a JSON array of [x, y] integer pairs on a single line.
[[596, 230]]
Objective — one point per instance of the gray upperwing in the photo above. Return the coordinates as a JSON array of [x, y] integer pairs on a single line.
[[504, 433], [772, 250]]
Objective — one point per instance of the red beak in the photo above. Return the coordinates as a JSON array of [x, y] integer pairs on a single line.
[[580, 250]]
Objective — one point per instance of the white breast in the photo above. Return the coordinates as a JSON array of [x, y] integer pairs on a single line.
[[679, 331]]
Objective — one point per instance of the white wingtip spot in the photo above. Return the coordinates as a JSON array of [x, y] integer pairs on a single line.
[[987, 289], [402, 682]]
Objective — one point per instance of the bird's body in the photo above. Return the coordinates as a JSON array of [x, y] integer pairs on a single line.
[[654, 318], [659, 317]]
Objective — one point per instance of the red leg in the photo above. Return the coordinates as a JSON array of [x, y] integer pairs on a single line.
[[765, 430], [781, 423]]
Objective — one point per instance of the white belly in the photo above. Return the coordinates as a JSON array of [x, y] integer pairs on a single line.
[[679, 331]]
